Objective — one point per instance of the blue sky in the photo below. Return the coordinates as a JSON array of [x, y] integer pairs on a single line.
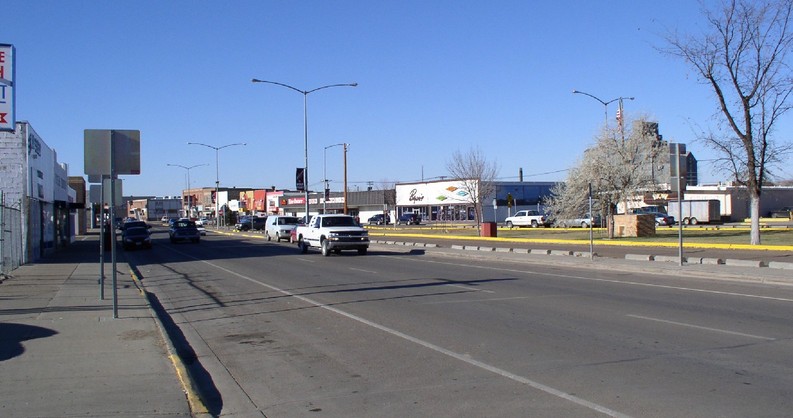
[[434, 77]]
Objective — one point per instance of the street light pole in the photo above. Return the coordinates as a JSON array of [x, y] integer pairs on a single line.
[[604, 103], [217, 175], [305, 94], [346, 145], [189, 202], [325, 171]]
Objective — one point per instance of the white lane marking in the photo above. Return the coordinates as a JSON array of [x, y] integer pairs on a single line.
[[473, 289], [683, 324], [469, 288], [570, 276], [307, 260], [461, 357], [478, 300]]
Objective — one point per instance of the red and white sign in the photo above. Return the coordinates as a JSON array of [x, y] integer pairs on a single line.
[[7, 119]]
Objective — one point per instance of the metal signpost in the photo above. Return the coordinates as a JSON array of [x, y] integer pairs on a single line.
[[677, 153], [110, 153]]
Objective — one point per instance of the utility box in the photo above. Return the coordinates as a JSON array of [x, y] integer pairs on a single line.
[[489, 229], [642, 225]]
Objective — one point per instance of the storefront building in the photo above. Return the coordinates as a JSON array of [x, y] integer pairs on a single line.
[[450, 200]]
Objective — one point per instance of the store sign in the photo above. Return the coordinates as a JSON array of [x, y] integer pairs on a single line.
[[7, 102]]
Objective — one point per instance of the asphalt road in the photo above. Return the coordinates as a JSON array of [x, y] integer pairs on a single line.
[[269, 331]]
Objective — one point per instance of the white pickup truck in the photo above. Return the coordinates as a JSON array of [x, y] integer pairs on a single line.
[[332, 233], [530, 218]]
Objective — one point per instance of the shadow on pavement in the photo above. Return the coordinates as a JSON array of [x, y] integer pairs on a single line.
[[12, 336]]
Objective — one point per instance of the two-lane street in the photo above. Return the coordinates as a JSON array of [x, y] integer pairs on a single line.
[[401, 333]]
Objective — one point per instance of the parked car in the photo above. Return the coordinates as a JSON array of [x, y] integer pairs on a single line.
[[279, 227], [584, 222], [202, 221], [184, 230], [530, 218], [135, 236], [409, 219], [247, 223], [379, 219], [661, 217], [786, 212]]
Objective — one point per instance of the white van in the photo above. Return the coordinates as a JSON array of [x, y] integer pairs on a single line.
[[280, 227]]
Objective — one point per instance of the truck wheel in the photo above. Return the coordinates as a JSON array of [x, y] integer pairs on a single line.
[[693, 221], [267, 235], [325, 248], [534, 224], [509, 224], [584, 225], [302, 245]]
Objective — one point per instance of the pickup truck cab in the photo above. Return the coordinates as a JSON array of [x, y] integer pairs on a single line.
[[332, 233]]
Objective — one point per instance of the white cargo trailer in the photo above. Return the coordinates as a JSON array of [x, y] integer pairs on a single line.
[[695, 211]]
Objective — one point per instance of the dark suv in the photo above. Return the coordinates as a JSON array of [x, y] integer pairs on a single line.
[[245, 224], [378, 219], [409, 219]]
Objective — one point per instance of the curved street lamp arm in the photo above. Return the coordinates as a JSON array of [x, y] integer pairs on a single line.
[[186, 168], [333, 85], [592, 96], [601, 101], [205, 145], [304, 92], [231, 145], [256, 80]]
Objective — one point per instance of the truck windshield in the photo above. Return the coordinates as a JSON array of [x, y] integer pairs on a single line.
[[338, 221]]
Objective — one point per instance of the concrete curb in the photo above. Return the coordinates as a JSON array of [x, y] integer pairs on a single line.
[[197, 406], [780, 265], [630, 257]]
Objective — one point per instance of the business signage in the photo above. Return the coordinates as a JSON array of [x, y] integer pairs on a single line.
[[7, 88], [300, 179], [434, 193]]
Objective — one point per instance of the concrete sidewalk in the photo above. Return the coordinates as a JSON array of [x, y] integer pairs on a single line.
[[63, 354]]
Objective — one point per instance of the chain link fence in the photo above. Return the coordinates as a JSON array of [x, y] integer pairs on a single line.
[[11, 251]]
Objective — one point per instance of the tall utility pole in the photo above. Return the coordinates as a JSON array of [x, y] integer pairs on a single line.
[[345, 177]]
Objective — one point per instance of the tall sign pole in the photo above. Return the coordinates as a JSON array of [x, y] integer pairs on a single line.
[[109, 153]]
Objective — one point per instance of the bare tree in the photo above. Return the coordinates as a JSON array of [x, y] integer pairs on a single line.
[[477, 176], [744, 60], [618, 168]]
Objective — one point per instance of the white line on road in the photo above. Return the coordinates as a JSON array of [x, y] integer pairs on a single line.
[[592, 279], [461, 357], [683, 324], [472, 289], [479, 300], [363, 271]]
